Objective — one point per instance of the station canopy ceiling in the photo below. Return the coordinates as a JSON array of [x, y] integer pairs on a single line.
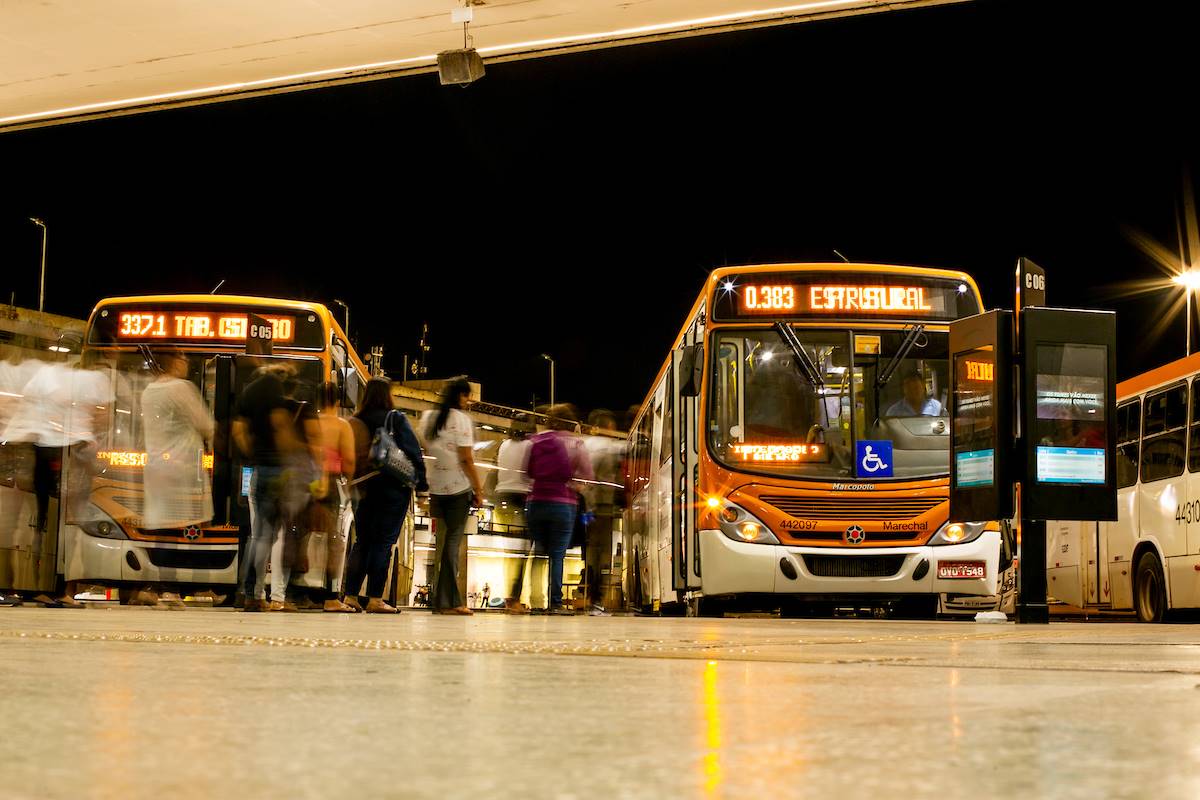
[[65, 60]]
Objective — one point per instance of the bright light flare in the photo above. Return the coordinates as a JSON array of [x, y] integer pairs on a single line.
[[1188, 280]]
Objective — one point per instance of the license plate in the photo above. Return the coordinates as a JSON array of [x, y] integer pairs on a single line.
[[961, 569]]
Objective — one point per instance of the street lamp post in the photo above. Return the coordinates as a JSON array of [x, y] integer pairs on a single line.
[[1189, 279], [551, 360], [42, 282]]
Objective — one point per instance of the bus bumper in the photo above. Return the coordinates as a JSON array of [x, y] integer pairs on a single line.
[[729, 567], [91, 558]]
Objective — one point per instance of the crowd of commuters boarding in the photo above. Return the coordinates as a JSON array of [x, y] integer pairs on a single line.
[[304, 462], [311, 471]]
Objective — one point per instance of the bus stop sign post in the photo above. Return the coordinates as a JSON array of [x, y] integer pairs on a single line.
[[1055, 382]]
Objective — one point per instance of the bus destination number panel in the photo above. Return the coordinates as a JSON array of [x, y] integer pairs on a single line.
[[187, 326], [815, 295]]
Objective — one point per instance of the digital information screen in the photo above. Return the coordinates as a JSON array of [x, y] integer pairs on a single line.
[[1069, 425], [148, 325], [1070, 464], [974, 418], [812, 294]]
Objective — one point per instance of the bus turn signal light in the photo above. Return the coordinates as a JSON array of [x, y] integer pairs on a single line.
[[749, 531], [955, 533], [729, 514]]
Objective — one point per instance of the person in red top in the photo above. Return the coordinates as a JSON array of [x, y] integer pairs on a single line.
[[557, 458]]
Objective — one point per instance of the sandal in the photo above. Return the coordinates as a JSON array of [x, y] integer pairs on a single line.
[[338, 607], [47, 601], [352, 603], [377, 606]]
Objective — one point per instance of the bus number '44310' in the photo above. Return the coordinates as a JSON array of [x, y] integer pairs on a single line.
[[1188, 512]]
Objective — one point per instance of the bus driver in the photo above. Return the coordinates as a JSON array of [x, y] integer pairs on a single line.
[[916, 401]]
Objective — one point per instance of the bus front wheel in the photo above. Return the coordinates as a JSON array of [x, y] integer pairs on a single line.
[[1149, 589]]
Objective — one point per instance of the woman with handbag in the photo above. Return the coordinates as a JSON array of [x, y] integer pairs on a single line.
[[384, 496], [454, 486]]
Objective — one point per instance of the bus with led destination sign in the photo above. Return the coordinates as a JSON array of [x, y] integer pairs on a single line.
[[794, 450], [157, 496]]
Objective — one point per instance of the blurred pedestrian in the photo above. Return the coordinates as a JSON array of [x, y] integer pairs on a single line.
[[606, 454], [265, 431], [63, 413], [303, 469], [454, 488], [333, 496], [384, 499], [557, 459], [512, 489], [176, 427]]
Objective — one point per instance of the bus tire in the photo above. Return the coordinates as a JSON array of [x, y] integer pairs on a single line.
[[1149, 589]]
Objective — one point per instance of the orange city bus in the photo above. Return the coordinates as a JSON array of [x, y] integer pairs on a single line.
[[109, 545], [793, 452]]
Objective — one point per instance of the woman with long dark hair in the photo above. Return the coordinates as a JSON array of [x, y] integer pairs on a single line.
[[384, 499], [454, 486]]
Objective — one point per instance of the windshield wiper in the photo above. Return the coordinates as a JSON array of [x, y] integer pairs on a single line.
[[804, 363], [910, 339]]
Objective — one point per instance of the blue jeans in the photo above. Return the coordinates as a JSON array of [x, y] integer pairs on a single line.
[[552, 525], [377, 523], [268, 516]]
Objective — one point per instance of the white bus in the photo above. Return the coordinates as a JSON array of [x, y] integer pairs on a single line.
[[1149, 559]]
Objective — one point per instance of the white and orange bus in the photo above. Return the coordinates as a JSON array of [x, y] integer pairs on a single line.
[[793, 452], [1148, 561], [110, 545]]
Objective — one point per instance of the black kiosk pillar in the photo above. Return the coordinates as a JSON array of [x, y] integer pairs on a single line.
[[1033, 415]]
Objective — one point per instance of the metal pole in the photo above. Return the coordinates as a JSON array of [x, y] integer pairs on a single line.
[[42, 282], [552, 381]]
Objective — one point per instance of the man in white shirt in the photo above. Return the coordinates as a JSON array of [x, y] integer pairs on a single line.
[[916, 401]]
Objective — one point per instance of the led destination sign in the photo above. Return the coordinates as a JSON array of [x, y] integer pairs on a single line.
[[195, 325], [815, 295], [781, 453]]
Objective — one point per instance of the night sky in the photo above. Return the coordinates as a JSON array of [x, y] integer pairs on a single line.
[[573, 205]]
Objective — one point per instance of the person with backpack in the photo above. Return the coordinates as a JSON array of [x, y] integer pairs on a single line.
[[557, 458], [454, 487], [384, 497]]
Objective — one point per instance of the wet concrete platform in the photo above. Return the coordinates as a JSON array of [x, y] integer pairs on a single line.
[[130, 703]]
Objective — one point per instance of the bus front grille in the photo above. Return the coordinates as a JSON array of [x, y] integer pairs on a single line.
[[191, 558], [853, 566], [853, 508]]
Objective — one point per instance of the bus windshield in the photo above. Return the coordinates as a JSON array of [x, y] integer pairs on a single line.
[[766, 415]]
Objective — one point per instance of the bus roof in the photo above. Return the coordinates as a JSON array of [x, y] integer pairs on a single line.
[[721, 272], [1158, 376], [216, 300]]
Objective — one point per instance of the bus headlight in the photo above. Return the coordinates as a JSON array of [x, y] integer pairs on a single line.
[[958, 533], [740, 525], [101, 525]]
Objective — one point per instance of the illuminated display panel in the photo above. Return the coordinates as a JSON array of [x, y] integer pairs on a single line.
[[841, 295], [151, 324], [781, 453], [160, 323], [136, 460], [974, 418]]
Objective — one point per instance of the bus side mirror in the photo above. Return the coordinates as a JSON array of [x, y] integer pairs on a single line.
[[691, 366]]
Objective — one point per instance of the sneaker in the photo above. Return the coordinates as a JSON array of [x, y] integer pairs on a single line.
[[254, 604], [10, 600], [562, 611], [598, 610], [170, 600], [286, 606], [211, 596]]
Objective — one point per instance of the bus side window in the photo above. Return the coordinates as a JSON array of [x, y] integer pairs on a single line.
[[1164, 442], [1129, 418], [1194, 430]]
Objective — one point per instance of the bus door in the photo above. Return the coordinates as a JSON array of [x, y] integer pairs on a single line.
[[218, 391], [685, 545]]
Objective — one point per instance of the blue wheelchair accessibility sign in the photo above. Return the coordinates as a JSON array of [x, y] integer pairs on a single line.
[[873, 458]]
